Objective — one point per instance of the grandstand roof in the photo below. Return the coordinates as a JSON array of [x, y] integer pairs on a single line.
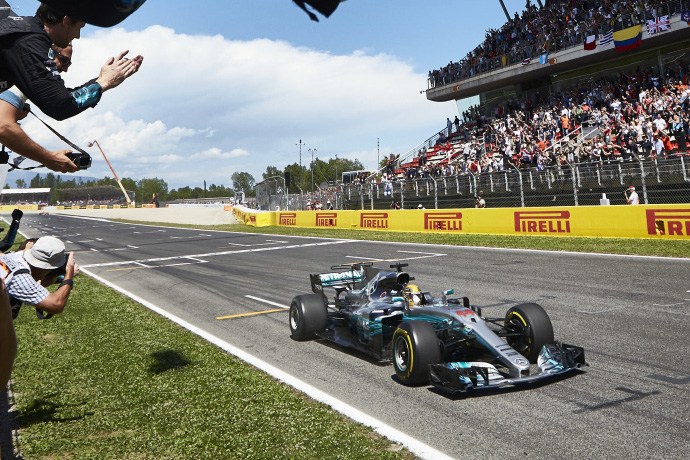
[[25, 191]]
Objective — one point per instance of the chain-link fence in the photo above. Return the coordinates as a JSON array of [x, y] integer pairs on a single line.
[[660, 181]]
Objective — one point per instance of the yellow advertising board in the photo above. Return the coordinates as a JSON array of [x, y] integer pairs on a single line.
[[23, 207], [648, 221], [253, 217]]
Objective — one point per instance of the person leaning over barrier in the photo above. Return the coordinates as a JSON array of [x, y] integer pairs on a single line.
[[8, 338], [13, 107], [26, 62], [25, 273]]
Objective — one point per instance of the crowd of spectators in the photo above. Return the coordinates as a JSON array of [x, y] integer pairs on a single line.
[[639, 115], [558, 25]]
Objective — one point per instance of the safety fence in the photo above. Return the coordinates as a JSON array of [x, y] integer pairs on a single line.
[[657, 180]]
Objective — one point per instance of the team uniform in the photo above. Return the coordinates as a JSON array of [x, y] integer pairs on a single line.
[[26, 61]]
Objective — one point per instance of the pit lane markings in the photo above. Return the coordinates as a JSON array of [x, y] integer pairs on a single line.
[[254, 313]]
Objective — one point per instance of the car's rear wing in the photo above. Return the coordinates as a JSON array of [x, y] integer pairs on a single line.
[[351, 276]]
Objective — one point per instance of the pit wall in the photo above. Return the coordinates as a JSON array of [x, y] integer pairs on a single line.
[[644, 221]]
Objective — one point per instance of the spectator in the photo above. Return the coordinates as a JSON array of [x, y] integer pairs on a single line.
[[24, 43], [631, 196], [479, 202], [13, 108], [26, 273], [8, 338], [395, 204]]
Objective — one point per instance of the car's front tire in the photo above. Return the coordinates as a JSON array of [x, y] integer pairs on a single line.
[[308, 315], [415, 347], [533, 328]]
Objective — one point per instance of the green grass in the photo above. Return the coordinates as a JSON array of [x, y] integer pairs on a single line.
[[109, 379], [632, 246]]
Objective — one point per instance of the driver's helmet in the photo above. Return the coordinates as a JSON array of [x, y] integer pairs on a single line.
[[414, 295]]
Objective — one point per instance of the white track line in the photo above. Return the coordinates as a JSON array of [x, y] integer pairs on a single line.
[[418, 448]]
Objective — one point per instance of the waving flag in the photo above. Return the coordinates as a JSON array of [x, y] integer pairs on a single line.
[[658, 25], [526, 61], [628, 39], [591, 42], [544, 58], [606, 39]]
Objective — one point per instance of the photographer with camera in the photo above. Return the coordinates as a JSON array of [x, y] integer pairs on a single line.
[[13, 107], [479, 202], [26, 273]]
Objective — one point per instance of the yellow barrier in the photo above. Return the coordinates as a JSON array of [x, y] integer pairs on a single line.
[[253, 217], [648, 221], [23, 207]]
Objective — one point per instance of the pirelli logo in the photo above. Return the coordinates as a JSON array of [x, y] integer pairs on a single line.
[[668, 222], [287, 218], [326, 219], [443, 221], [542, 222], [373, 220]]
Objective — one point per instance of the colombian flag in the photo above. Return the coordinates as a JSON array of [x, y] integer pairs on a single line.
[[628, 39]]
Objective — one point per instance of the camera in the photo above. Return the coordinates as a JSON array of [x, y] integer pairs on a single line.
[[81, 159]]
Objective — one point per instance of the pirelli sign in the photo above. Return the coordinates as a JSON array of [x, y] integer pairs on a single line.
[[376, 220], [668, 222], [287, 218], [443, 221], [543, 222], [327, 219]]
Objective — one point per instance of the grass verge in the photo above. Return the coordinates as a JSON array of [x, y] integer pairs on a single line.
[[109, 379]]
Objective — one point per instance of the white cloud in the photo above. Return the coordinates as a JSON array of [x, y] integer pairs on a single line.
[[203, 107]]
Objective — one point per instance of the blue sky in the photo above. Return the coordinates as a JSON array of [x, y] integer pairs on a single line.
[[233, 85]]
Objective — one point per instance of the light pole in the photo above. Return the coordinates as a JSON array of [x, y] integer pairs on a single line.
[[90, 144], [312, 151], [300, 160]]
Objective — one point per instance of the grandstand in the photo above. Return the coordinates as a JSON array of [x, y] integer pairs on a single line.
[[567, 101]]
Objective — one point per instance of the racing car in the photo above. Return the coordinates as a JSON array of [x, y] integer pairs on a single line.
[[443, 341]]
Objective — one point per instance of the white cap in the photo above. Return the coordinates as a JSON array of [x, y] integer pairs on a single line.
[[47, 252]]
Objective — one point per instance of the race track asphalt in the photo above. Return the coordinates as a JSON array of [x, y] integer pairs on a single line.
[[630, 314]]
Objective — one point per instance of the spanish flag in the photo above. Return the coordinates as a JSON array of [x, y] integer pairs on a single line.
[[628, 39]]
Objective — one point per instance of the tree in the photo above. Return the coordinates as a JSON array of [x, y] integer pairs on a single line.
[[21, 183], [242, 181], [272, 171], [147, 187]]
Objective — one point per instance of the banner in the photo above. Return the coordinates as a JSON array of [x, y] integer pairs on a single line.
[[644, 221]]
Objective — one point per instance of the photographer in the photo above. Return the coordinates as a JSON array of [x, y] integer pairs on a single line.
[[25, 274], [13, 108], [479, 202], [631, 196]]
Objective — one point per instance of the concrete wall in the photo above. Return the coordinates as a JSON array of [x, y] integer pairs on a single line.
[[176, 215]]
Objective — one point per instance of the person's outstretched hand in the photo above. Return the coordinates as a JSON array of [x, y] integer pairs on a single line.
[[118, 69]]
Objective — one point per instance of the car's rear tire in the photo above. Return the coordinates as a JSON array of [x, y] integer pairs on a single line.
[[308, 315], [415, 347], [534, 327]]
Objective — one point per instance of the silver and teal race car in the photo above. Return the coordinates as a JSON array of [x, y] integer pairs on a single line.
[[443, 341]]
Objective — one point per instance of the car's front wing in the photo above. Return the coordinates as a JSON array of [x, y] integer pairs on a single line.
[[554, 359]]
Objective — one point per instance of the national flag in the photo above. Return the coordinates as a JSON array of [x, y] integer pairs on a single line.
[[504, 60], [526, 61], [605, 39], [591, 42], [552, 60], [685, 16], [658, 25], [628, 39], [544, 58]]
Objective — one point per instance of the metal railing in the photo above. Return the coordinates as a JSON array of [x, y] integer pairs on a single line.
[[661, 180]]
